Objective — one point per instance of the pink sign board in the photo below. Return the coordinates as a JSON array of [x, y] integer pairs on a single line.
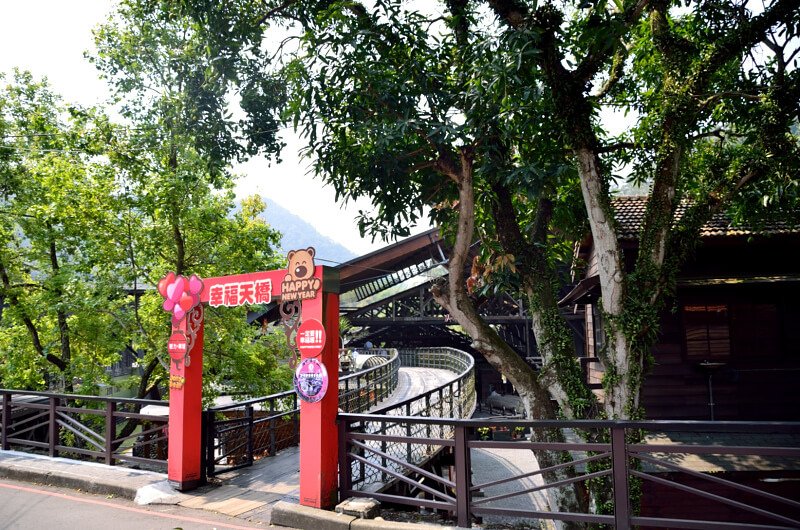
[[238, 293]]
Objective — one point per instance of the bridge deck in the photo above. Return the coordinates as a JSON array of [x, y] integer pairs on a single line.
[[252, 491], [413, 382]]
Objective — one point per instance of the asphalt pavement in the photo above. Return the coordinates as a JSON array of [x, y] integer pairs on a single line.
[[34, 507]]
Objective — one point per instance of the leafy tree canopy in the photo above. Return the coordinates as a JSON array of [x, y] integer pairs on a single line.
[[492, 114], [92, 217]]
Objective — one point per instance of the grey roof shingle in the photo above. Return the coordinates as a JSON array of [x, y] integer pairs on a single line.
[[629, 213]]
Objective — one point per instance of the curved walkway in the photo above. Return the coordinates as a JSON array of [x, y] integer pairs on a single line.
[[413, 382], [252, 492]]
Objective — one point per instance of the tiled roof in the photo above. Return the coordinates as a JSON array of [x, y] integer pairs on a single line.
[[630, 210]]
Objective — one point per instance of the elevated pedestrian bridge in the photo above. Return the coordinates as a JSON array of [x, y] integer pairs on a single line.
[[404, 438], [428, 382]]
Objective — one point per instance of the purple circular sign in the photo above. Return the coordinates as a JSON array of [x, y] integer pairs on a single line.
[[311, 380]]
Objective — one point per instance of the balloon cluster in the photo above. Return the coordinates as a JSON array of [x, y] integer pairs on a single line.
[[180, 294]]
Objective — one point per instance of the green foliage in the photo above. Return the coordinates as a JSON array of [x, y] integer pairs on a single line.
[[57, 202], [92, 218], [389, 94]]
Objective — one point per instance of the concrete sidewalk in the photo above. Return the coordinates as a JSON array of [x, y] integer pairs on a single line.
[[242, 497], [141, 487], [85, 476]]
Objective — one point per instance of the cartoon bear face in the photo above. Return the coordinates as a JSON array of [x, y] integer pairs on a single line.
[[301, 264]]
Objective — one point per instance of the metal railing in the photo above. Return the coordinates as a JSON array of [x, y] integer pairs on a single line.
[[362, 390], [111, 430], [387, 445], [678, 460], [236, 435]]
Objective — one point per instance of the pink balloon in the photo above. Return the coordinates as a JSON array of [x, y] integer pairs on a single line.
[[168, 305], [195, 284], [171, 290], [178, 314], [164, 282], [180, 287]]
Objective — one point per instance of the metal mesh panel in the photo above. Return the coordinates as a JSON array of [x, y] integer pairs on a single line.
[[455, 399]]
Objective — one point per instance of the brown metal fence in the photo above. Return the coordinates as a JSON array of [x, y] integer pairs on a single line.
[[111, 430], [737, 474], [455, 399], [236, 435]]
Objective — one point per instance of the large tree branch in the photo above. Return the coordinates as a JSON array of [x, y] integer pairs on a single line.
[[552, 335], [603, 47], [277, 10], [13, 301], [61, 315], [744, 36]]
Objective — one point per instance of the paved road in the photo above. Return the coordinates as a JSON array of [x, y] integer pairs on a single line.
[[26, 507]]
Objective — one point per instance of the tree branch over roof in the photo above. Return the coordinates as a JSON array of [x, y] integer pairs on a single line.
[[745, 36]]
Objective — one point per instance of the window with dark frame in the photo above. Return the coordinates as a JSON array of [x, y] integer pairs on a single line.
[[707, 331]]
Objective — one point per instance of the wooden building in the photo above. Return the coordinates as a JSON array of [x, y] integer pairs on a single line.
[[729, 347]]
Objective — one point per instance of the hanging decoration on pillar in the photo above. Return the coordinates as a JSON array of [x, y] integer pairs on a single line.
[[299, 284], [311, 377], [182, 299], [290, 320], [311, 380], [180, 295]]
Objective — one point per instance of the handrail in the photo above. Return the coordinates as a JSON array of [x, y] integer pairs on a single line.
[[263, 426], [40, 393], [379, 382], [453, 399], [451, 359], [651, 463], [83, 425]]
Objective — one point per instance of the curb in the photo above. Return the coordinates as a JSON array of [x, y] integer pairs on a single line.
[[298, 516], [69, 474], [90, 486]]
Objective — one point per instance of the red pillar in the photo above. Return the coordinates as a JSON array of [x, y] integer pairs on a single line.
[[318, 432], [184, 459]]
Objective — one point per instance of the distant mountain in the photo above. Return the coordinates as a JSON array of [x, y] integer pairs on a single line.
[[297, 233]]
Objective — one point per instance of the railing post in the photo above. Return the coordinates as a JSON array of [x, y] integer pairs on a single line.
[[210, 428], [440, 403], [272, 427], [345, 473], [249, 413], [111, 431], [460, 391], [6, 421], [204, 447], [450, 399], [408, 433], [428, 414], [619, 459], [462, 477], [52, 430], [296, 439]]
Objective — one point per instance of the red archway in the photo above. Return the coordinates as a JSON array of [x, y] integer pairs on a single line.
[[318, 293]]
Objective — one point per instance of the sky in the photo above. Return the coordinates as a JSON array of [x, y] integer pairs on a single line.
[[49, 38]]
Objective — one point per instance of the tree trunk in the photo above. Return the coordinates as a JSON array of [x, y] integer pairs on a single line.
[[453, 297], [61, 315]]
